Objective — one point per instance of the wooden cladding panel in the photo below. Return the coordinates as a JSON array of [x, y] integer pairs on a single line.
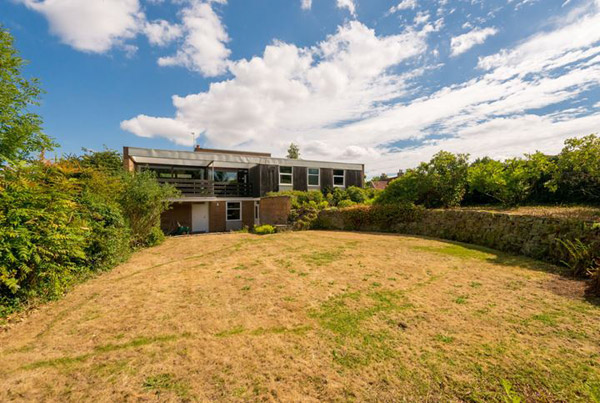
[[354, 178], [269, 179], [326, 178], [300, 179], [254, 179]]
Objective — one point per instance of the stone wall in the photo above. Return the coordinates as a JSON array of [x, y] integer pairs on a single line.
[[533, 236], [275, 210]]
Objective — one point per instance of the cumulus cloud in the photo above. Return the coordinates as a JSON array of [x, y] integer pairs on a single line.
[[289, 91], [100, 25], [161, 32], [204, 48], [91, 25], [460, 44], [348, 4]]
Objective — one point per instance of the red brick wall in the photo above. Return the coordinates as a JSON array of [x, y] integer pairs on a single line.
[[275, 210]]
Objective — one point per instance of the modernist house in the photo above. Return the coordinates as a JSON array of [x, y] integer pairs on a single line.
[[221, 190]]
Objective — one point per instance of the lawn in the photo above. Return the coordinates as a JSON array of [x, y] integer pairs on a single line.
[[311, 316]]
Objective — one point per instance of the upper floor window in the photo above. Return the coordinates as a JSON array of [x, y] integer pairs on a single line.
[[313, 176], [285, 175], [338, 177]]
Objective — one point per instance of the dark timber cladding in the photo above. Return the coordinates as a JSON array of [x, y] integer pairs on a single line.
[[300, 179], [354, 178], [326, 178], [269, 179], [254, 179]]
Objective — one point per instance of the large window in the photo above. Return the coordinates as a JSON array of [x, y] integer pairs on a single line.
[[234, 211], [313, 176], [285, 175], [175, 172], [338, 177], [230, 176]]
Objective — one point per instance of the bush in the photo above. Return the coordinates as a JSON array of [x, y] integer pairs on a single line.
[[143, 201], [346, 203], [441, 182], [61, 222], [264, 229], [42, 233]]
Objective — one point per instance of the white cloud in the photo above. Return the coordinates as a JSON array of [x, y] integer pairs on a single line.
[[349, 4], [204, 48], [460, 44], [91, 25], [161, 32], [403, 5], [290, 91], [306, 4], [339, 99]]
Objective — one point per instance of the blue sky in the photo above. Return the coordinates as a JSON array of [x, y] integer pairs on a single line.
[[386, 83]]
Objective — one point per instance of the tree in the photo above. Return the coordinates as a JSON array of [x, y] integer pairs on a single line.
[[441, 182], [20, 130], [577, 173], [293, 151]]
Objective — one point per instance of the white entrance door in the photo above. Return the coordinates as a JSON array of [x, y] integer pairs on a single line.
[[200, 217]]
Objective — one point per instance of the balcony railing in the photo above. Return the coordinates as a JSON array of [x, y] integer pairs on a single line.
[[207, 188]]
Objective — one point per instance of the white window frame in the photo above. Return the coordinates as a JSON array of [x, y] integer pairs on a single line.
[[308, 175], [291, 174], [343, 176], [227, 208]]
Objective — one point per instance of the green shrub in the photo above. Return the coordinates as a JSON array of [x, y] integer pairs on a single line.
[[143, 201], [264, 229], [441, 182], [42, 233], [346, 203]]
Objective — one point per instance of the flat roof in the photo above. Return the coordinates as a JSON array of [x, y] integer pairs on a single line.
[[224, 159]]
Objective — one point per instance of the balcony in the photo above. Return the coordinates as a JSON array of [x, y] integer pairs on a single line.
[[207, 188]]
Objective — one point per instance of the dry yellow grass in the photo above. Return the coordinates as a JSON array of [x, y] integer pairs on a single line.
[[310, 316]]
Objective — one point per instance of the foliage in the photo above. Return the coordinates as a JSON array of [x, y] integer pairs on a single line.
[[264, 229], [143, 201], [376, 216], [293, 151], [576, 174], [20, 130], [42, 233], [510, 182], [582, 259], [441, 182]]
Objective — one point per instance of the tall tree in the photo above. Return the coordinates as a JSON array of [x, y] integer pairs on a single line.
[[20, 130], [293, 152]]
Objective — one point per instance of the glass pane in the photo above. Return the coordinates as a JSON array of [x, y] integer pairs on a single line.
[[338, 180], [233, 215], [233, 211], [286, 179], [285, 170], [313, 180], [338, 172], [313, 171]]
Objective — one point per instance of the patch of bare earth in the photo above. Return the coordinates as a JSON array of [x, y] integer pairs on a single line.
[[310, 316]]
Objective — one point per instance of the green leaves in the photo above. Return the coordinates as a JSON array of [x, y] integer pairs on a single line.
[[20, 130]]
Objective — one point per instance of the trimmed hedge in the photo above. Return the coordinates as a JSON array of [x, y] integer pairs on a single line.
[[537, 237]]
